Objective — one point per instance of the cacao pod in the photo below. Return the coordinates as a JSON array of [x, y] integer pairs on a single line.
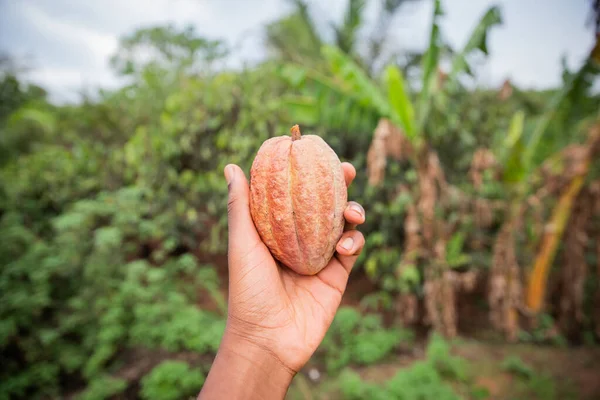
[[297, 199]]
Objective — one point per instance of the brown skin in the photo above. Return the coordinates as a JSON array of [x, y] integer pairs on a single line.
[[276, 317]]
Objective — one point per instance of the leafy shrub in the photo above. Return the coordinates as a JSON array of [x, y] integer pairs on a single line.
[[109, 215], [544, 332], [358, 339], [418, 382], [438, 354], [514, 364], [532, 383], [171, 380], [541, 386], [102, 388], [426, 379]]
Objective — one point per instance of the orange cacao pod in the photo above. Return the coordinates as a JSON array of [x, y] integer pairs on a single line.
[[297, 199]]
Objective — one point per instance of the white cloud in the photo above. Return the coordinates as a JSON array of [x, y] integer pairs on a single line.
[[97, 46], [72, 39]]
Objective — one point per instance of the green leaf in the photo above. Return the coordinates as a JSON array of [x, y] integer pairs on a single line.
[[400, 101], [107, 238], [477, 41], [353, 78], [429, 67], [302, 110], [410, 275], [512, 151], [454, 251], [568, 90], [294, 74], [43, 118], [347, 33]]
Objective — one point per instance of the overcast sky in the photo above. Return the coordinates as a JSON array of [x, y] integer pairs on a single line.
[[69, 42]]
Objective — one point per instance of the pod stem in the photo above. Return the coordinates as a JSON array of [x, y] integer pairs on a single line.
[[295, 132]]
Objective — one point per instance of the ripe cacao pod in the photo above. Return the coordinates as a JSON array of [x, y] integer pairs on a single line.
[[297, 199]]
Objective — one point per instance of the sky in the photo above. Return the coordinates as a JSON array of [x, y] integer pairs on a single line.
[[68, 43]]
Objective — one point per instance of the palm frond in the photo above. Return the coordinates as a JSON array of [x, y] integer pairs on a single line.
[[429, 66], [347, 74], [328, 102], [295, 37], [400, 101], [477, 41], [572, 88], [346, 34]]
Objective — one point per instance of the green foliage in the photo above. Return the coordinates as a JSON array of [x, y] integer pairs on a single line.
[[420, 381], [171, 380], [347, 34], [113, 211], [168, 48], [511, 150], [515, 365], [358, 339], [559, 110], [426, 379], [429, 66], [400, 101], [295, 37], [104, 387], [438, 354], [477, 41], [455, 256], [24, 116], [299, 38], [543, 332], [535, 384], [108, 230]]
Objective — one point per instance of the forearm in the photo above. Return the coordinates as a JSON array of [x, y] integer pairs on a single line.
[[243, 370]]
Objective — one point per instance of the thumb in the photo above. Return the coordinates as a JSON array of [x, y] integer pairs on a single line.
[[241, 227]]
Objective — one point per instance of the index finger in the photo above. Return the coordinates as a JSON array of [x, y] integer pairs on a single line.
[[349, 172]]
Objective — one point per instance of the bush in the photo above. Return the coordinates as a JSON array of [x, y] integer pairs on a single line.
[[102, 388], [426, 379], [418, 382], [358, 339], [171, 380], [517, 366], [438, 354]]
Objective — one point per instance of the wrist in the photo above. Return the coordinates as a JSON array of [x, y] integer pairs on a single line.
[[245, 369]]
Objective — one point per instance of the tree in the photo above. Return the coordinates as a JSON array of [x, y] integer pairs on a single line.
[[167, 48], [297, 38]]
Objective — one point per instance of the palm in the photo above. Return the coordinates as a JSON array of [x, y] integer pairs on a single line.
[[295, 310]]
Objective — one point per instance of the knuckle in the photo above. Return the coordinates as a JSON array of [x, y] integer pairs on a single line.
[[360, 240], [232, 203]]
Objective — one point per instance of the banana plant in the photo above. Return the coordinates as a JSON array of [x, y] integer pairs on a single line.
[[298, 38], [521, 154], [348, 87]]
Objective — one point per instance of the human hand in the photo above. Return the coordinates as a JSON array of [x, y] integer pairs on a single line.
[[276, 317]]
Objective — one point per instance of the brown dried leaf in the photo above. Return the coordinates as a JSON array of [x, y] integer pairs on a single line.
[[574, 266], [388, 141], [505, 282]]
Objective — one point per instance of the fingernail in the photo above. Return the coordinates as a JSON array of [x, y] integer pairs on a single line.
[[357, 209], [348, 243], [229, 174]]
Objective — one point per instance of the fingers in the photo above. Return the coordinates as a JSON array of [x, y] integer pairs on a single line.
[[349, 248], [335, 275], [349, 172], [241, 226], [354, 215]]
